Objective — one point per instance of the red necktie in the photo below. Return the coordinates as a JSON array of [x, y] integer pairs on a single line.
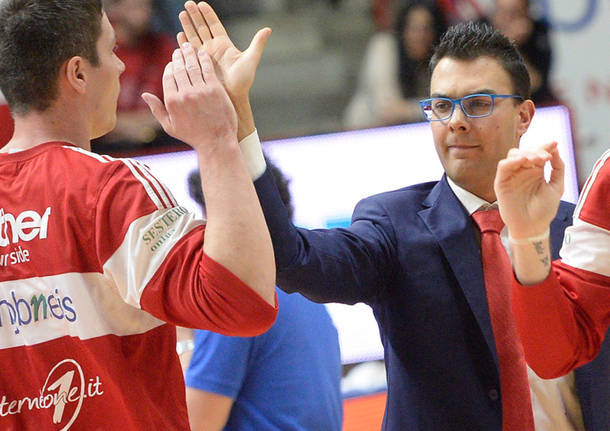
[[517, 412]]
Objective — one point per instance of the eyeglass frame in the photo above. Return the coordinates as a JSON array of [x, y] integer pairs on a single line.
[[459, 102]]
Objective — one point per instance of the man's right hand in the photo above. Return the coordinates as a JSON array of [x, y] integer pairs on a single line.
[[197, 109], [528, 203]]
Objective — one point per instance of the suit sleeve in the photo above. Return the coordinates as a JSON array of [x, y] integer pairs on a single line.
[[563, 320], [330, 265], [151, 252]]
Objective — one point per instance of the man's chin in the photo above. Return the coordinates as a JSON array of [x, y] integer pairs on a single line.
[[103, 131]]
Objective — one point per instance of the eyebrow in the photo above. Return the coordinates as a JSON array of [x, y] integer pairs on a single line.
[[481, 90]]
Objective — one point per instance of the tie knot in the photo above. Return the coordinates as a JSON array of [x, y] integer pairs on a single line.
[[489, 220]]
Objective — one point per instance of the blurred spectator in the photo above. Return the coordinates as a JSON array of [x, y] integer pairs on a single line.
[[513, 19], [6, 122], [285, 379], [394, 75], [145, 54], [457, 11]]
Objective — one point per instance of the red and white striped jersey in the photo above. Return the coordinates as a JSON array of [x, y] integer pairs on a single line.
[[563, 320], [97, 265]]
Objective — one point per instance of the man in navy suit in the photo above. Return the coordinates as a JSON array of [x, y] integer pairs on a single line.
[[413, 254]]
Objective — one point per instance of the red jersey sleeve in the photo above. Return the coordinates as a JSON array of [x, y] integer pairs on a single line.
[[151, 252], [562, 321]]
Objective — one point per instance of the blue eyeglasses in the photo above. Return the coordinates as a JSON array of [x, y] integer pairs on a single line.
[[473, 106]]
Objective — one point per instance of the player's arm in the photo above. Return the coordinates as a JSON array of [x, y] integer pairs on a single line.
[[197, 110], [528, 204], [207, 411]]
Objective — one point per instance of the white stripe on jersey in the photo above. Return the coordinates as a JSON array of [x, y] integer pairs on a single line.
[[150, 188], [162, 198], [590, 182], [86, 153], [587, 247], [147, 243], [158, 184], [40, 309]]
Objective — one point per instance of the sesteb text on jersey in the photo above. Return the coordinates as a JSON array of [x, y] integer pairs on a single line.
[[23, 227]]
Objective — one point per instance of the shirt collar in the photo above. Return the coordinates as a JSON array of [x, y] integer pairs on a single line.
[[470, 201]]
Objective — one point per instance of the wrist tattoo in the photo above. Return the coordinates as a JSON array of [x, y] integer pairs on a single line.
[[539, 246]]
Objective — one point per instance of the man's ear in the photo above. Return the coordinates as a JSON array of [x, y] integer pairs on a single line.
[[526, 113], [75, 72]]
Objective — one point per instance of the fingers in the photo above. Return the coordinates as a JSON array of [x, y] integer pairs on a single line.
[[179, 70], [169, 83], [508, 167], [558, 171], [193, 68], [186, 67], [194, 23], [157, 109], [181, 38], [189, 32], [212, 23], [530, 158], [549, 146], [207, 68]]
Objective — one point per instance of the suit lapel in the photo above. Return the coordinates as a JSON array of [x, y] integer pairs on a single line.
[[448, 221]]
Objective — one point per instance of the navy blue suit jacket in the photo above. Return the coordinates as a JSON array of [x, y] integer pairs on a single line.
[[413, 256]]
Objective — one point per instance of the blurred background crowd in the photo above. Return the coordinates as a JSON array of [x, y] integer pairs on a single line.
[[334, 65]]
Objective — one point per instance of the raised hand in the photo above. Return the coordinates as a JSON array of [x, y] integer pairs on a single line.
[[236, 69], [196, 107], [527, 201]]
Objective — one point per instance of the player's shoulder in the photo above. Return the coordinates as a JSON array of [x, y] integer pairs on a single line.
[[102, 164]]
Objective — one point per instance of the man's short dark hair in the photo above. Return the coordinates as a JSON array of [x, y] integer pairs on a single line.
[[194, 185], [469, 41], [36, 38]]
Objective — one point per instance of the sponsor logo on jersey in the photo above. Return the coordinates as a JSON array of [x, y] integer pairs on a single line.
[[19, 311], [162, 229], [23, 227], [63, 392]]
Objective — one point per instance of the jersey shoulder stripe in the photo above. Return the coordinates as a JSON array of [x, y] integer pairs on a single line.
[[594, 204], [158, 193]]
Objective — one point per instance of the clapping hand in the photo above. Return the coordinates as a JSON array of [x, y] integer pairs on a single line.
[[196, 107], [235, 69]]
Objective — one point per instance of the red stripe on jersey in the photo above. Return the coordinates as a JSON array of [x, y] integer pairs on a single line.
[[595, 206]]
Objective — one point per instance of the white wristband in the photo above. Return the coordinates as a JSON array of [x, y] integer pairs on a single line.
[[529, 240], [253, 155]]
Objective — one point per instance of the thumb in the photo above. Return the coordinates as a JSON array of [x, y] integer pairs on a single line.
[[157, 109], [557, 171], [255, 50]]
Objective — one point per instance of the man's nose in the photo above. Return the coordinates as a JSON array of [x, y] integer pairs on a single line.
[[458, 119]]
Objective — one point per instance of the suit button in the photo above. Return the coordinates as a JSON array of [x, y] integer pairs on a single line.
[[493, 394]]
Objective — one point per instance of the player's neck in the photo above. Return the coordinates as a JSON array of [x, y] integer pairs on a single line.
[[35, 128]]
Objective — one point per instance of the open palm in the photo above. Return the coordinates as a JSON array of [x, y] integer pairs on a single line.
[[236, 69]]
